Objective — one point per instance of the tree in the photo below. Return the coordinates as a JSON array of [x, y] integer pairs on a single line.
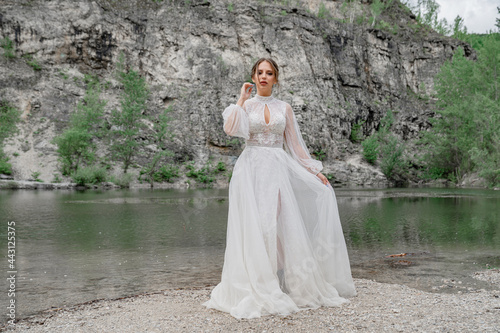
[[464, 136], [127, 122], [376, 8], [459, 30], [498, 20], [427, 14], [76, 145], [161, 132]]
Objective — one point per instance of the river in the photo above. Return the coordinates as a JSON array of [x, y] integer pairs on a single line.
[[76, 246]]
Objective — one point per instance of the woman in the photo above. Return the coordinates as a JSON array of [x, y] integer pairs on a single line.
[[285, 248]]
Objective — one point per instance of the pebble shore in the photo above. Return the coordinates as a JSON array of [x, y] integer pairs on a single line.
[[378, 307]]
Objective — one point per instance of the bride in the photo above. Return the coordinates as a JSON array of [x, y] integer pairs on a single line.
[[285, 250]]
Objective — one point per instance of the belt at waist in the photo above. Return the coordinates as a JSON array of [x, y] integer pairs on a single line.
[[251, 143]]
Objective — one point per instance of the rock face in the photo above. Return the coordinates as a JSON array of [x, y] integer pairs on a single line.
[[195, 56]]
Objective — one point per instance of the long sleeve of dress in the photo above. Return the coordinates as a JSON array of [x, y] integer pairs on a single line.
[[236, 121], [295, 145]]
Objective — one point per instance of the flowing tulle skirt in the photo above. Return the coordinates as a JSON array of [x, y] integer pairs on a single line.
[[285, 248]]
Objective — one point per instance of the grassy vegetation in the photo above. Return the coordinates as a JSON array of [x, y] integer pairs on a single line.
[[8, 47], [9, 117]]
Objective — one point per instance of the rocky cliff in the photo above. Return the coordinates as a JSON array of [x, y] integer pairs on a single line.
[[336, 71]]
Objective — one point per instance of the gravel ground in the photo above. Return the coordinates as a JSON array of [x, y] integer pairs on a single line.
[[378, 307], [492, 276]]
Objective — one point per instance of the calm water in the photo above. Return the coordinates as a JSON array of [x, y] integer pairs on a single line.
[[72, 247]]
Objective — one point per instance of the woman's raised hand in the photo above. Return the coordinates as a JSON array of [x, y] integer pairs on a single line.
[[246, 90]]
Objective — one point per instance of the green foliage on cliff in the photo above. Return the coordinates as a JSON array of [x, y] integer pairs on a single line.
[[76, 145], [322, 11], [89, 175], [370, 149], [8, 48], [388, 149], [356, 131], [127, 122], [427, 14], [205, 174], [77, 148], [32, 62], [9, 116], [376, 8], [465, 136], [154, 170]]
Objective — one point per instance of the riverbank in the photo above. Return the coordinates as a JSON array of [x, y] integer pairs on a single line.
[[34, 185], [378, 307]]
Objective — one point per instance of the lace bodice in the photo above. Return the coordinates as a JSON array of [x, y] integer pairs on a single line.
[[260, 133], [282, 131]]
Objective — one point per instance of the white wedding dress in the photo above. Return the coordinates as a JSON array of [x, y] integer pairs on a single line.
[[285, 248]]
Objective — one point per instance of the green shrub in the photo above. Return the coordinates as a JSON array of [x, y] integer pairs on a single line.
[[392, 159], [320, 155], [10, 185], [203, 175], [89, 175], [33, 63], [35, 175], [488, 165], [8, 48], [322, 11], [123, 180], [433, 172], [166, 173], [73, 147], [370, 149], [356, 131], [5, 167], [153, 170], [9, 116], [56, 179], [385, 147], [221, 166]]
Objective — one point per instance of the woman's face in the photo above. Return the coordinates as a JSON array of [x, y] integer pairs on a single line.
[[264, 79]]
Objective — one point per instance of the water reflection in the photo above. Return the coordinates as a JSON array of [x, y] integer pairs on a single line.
[[447, 221], [78, 246]]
